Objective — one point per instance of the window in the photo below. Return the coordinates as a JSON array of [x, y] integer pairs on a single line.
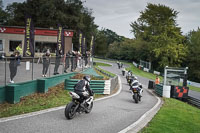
[[41, 47], [1, 45], [13, 45]]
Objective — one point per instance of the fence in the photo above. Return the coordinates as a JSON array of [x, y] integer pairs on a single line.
[[194, 101], [33, 68]]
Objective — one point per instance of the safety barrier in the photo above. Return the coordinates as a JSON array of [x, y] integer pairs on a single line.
[[98, 86], [194, 101], [101, 71], [13, 92], [159, 89]]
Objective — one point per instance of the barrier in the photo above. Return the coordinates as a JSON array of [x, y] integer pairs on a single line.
[[146, 69], [2, 94], [151, 84], [13, 92], [156, 72], [159, 89], [98, 86], [166, 91], [179, 91]]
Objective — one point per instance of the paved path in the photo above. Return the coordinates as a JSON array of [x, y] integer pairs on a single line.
[[26, 75], [108, 116]]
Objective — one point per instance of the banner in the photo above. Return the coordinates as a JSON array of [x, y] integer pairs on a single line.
[[29, 38], [84, 47], [80, 42], [60, 39], [92, 45]]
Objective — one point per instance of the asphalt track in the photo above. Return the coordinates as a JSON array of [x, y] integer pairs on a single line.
[[109, 115]]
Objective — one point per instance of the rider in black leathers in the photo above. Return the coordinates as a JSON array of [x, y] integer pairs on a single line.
[[82, 88]]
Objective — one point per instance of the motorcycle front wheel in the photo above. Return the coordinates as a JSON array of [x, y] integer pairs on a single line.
[[89, 108], [70, 111]]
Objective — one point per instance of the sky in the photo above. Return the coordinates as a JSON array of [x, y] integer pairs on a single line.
[[117, 15]]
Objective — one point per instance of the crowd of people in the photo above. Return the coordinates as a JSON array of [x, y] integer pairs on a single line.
[[71, 61]]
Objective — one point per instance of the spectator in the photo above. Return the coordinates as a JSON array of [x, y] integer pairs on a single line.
[[19, 49], [79, 60], [157, 81], [72, 60], [46, 61], [67, 58], [57, 61], [13, 65], [75, 59]]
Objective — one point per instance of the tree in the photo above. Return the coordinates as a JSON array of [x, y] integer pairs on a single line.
[[193, 59], [104, 38], [3, 14], [157, 27], [71, 14]]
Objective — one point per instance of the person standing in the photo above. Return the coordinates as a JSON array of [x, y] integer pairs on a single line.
[[67, 59], [46, 61], [13, 65], [19, 49], [157, 81], [57, 61]]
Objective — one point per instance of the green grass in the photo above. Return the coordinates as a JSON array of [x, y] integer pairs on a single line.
[[102, 64], [55, 97], [194, 88], [175, 117], [96, 59], [137, 71], [111, 74]]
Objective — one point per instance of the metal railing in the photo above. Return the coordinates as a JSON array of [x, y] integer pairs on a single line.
[[29, 68], [194, 101]]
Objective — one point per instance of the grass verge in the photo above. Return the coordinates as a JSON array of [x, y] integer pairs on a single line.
[[111, 74], [174, 117], [56, 96], [102, 64]]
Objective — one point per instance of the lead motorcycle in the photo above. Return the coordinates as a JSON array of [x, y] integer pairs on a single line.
[[135, 90], [77, 105]]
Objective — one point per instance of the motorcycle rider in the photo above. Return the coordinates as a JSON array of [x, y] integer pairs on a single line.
[[82, 88], [136, 84]]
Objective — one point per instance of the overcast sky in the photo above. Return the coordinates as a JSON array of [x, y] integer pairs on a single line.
[[118, 14]]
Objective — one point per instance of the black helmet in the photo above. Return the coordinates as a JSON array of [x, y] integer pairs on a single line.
[[87, 78]]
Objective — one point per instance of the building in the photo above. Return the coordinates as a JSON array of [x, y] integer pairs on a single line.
[[11, 37]]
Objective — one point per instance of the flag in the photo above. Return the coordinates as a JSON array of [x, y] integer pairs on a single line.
[[92, 45], [60, 39], [29, 38], [80, 42], [84, 46]]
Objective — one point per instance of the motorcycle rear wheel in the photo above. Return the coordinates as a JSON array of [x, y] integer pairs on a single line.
[[70, 111], [135, 97]]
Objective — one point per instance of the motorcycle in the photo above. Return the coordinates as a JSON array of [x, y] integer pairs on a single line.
[[135, 90], [76, 105]]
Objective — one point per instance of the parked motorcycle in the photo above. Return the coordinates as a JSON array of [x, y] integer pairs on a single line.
[[76, 105]]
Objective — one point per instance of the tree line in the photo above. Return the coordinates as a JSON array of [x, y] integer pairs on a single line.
[[159, 40], [157, 37]]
